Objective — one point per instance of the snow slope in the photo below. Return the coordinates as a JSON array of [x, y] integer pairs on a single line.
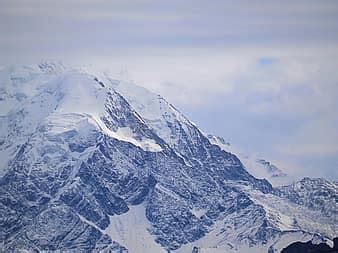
[[95, 164], [257, 166], [131, 229]]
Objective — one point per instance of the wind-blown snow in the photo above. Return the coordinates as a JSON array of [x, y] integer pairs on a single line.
[[127, 135], [258, 167]]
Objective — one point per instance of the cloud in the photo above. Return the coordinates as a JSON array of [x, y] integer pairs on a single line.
[[261, 73], [311, 149], [160, 24]]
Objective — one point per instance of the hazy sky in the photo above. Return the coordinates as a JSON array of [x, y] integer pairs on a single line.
[[262, 74]]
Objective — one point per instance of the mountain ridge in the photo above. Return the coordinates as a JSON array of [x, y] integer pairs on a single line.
[[91, 150]]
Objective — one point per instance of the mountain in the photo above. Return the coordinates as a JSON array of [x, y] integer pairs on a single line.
[[95, 164], [255, 165], [314, 193], [301, 247]]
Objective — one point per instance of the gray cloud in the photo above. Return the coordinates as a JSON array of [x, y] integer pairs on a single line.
[[261, 73]]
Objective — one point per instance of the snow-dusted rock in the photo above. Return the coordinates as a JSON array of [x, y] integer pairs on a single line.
[[91, 163], [256, 166]]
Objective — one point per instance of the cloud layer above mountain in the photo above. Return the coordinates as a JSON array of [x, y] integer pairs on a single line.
[[261, 73]]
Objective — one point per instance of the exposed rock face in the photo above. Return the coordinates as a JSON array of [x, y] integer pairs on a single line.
[[301, 247], [314, 193], [77, 152]]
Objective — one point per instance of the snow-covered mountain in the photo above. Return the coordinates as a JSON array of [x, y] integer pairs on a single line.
[[92, 163], [258, 167]]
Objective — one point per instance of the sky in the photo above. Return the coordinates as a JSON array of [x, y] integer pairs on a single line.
[[261, 74]]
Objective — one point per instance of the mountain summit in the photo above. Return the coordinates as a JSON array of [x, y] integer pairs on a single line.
[[91, 163]]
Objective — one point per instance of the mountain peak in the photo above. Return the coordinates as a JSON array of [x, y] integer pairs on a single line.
[[52, 67], [87, 160]]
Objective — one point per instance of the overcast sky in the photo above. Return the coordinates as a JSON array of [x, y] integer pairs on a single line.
[[262, 74]]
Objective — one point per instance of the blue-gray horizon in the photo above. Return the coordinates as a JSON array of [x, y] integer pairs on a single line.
[[261, 74]]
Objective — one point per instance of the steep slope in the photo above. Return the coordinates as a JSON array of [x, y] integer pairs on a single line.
[[96, 164], [256, 166], [181, 135], [161, 117], [314, 193], [299, 247]]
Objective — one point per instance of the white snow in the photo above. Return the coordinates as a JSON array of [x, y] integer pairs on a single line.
[[127, 135], [155, 110], [7, 105], [282, 214], [59, 123], [252, 164], [83, 95], [213, 243], [223, 236], [79, 93], [90, 223], [289, 238], [5, 156], [167, 191], [131, 230], [63, 100], [198, 212], [73, 100]]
